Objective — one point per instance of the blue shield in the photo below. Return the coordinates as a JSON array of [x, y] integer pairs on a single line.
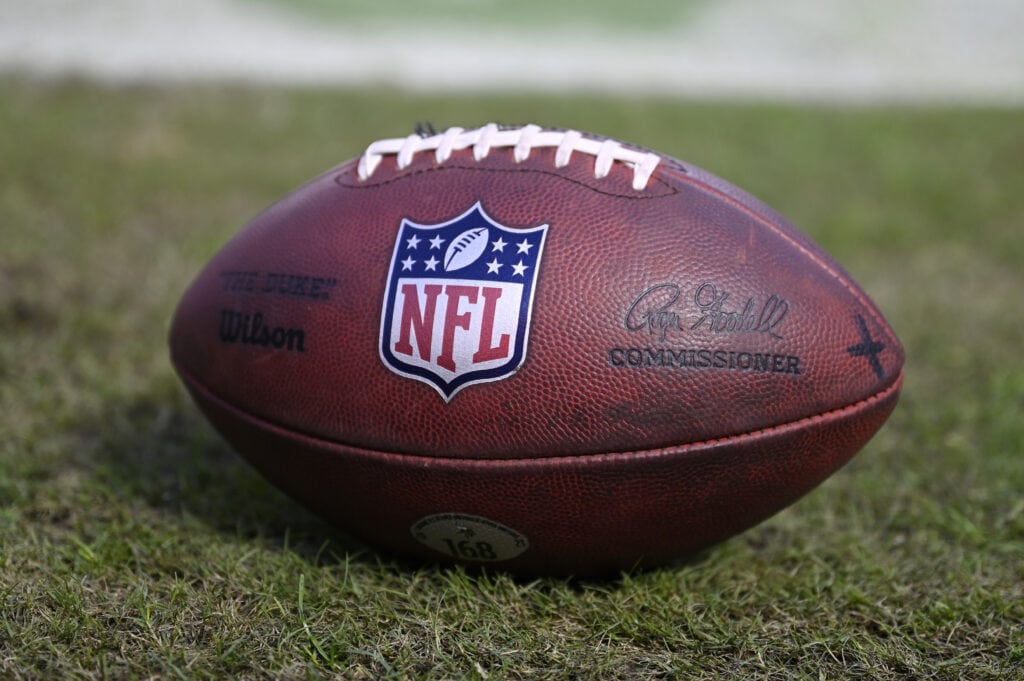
[[459, 299]]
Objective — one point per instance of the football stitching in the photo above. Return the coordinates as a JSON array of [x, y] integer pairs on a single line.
[[522, 141], [669, 190], [320, 440]]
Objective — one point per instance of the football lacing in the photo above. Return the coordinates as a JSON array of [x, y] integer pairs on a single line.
[[522, 140]]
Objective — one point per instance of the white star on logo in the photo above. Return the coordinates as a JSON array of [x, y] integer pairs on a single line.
[[432, 263], [413, 241], [493, 266], [407, 264], [524, 247], [498, 245], [519, 268], [436, 242]]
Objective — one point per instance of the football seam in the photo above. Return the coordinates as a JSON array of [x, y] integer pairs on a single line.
[[266, 423], [670, 190], [865, 302]]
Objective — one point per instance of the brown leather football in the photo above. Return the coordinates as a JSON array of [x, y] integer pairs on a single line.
[[548, 352]]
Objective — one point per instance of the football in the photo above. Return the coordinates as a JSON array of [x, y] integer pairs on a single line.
[[534, 349]]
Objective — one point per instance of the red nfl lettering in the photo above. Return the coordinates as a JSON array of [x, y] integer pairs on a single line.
[[486, 351], [452, 319], [419, 323]]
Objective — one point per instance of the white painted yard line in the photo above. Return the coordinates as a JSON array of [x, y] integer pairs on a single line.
[[825, 50]]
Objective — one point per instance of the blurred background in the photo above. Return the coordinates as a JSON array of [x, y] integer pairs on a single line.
[[935, 51]]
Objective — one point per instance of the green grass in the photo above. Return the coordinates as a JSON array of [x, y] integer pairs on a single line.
[[567, 16], [135, 544]]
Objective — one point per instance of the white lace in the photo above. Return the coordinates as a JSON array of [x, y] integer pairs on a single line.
[[522, 140]]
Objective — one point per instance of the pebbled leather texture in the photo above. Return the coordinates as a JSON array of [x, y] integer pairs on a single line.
[[694, 363]]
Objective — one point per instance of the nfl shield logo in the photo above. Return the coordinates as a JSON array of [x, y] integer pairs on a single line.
[[458, 300]]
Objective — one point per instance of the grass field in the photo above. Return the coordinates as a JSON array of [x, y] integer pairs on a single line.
[[571, 15], [135, 544]]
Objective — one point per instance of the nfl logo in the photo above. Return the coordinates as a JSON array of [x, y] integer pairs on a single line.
[[458, 300]]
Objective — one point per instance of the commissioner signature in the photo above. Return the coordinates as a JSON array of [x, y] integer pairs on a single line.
[[658, 310]]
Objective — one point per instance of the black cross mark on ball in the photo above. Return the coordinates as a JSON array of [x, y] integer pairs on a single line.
[[868, 347]]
